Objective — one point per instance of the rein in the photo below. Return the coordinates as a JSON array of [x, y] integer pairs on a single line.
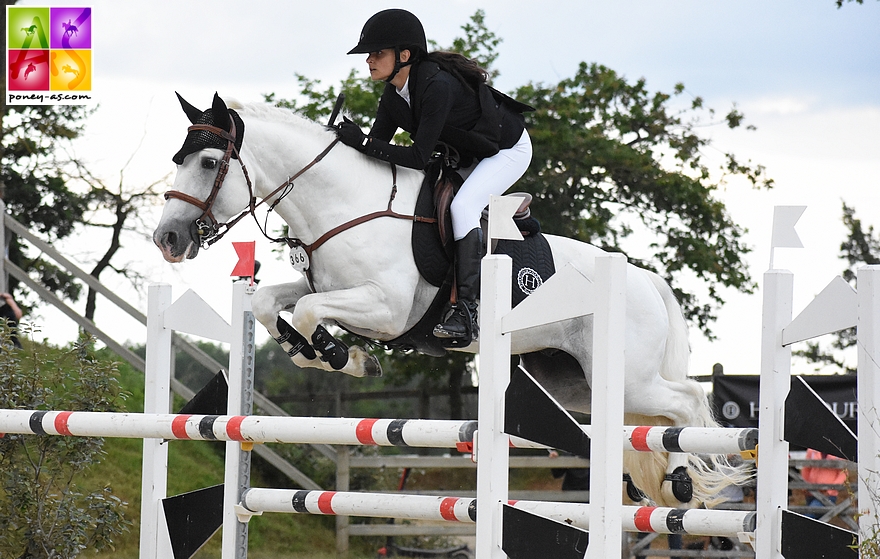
[[387, 212], [210, 230]]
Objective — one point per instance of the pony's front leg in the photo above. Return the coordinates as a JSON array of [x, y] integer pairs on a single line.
[[267, 303], [366, 309]]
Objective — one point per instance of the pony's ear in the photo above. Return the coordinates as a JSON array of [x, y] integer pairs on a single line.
[[192, 113], [220, 113]]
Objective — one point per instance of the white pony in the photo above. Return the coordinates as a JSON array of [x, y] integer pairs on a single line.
[[365, 278]]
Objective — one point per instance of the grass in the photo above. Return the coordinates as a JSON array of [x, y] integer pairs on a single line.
[[198, 464]]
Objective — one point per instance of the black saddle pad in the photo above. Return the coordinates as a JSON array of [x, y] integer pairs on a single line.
[[532, 266]]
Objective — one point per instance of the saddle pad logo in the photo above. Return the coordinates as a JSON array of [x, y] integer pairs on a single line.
[[528, 280]]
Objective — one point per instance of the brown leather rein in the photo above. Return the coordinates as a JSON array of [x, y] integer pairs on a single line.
[[210, 230]]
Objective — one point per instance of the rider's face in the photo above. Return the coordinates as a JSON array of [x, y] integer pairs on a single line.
[[381, 64]]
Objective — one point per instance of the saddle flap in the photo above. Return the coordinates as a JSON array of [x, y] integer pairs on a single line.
[[444, 191], [432, 238]]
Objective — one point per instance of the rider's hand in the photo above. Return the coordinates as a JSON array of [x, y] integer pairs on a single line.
[[351, 134]]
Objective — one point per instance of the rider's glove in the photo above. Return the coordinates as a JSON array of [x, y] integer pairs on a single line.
[[351, 134]]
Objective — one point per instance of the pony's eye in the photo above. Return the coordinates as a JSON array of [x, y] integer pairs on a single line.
[[208, 163]]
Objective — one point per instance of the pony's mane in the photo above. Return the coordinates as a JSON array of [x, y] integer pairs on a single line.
[[269, 113], [266, 111]]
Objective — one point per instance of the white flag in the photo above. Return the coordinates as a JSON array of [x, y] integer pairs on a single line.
[[784, 220], [501, 225]]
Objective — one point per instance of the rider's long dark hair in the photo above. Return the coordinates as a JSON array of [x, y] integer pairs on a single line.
[[466, 70]]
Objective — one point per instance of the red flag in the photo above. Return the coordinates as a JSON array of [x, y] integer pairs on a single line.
[[245, 265]]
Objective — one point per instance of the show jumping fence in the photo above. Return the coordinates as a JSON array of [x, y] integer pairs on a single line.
[[562, 524]]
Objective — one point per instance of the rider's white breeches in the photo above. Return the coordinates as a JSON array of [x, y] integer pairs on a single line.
[[493, 175]]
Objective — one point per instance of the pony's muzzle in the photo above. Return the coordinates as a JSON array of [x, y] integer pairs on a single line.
[[176, 247]]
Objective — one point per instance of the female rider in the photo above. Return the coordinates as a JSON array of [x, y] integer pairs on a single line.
[[442, 97]]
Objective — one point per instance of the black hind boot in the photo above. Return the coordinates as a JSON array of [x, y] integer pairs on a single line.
[[461, 326]]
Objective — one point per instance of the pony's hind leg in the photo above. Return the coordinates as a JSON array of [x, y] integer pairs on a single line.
[[652, 400], [683, 403], [647, 469], [664, 477]]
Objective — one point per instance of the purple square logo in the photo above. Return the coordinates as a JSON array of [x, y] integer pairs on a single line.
[[71, 28]]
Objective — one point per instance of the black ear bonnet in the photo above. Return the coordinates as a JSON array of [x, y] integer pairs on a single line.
[[197, 140]]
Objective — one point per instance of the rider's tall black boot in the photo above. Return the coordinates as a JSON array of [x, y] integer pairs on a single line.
[[461, 325]]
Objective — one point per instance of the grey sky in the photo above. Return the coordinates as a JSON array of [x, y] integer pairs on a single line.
[[719, 49]]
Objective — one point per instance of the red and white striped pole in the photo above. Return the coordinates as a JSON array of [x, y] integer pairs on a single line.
[[663, 520], [414, 433], [421, 433]]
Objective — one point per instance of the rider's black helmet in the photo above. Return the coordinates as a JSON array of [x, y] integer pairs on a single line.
[[394, 28]]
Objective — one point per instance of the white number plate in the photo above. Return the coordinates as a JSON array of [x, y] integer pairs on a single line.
[[299, 259]]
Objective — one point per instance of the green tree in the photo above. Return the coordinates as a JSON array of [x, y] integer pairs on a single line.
[[34, 173], [612, 160], [44, 511]]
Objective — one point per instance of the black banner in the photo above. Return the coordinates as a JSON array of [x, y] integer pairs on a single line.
[[735, 398]]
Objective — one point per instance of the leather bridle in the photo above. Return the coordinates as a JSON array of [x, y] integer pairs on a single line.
[[207, 226]]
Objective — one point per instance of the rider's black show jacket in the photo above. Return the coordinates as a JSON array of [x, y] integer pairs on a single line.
[[444, 111]]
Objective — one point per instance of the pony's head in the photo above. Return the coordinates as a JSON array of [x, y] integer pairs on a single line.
[[207, 190]]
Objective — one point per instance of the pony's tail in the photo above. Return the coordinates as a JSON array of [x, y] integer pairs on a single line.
[[710, 474], [714, 472]]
